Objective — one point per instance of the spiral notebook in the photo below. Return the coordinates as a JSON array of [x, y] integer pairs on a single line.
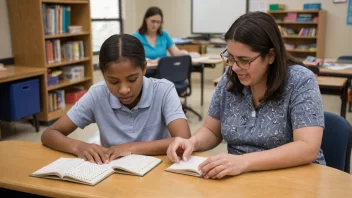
[[84, 172]]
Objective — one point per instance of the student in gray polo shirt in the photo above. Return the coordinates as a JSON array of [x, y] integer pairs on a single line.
[[134, 114], [267, 106]]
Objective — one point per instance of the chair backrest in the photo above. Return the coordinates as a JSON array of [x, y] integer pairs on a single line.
[[337, 140], [175, 68], [344, 59]]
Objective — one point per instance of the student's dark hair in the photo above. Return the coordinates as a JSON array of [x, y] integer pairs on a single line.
[[121, 46], [152, 11], [259, 31]]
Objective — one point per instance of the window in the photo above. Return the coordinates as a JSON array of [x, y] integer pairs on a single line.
[[106, 20]]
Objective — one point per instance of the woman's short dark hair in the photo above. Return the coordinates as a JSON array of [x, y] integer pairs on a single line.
[[259, 31], [152, 11], [121, 46]]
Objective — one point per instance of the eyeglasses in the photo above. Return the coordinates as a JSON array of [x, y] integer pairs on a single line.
[[243, 64], [156, 21]]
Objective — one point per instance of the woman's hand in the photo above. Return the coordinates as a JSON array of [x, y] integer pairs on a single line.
[[119, 150], [180, 148], [92, 152], [218, 166]]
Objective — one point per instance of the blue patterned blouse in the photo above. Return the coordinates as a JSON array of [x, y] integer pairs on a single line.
[[247, 129]]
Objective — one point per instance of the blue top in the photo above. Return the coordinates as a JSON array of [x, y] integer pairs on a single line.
[[247, 129], [159, 105], [163, 43]]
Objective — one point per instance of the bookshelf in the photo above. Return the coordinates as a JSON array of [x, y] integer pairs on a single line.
[[311, 39], [29, 45]]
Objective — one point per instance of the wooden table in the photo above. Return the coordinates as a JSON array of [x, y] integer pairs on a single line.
[[195, 46], [20, 72], [198, 66], [19, 159], [328, 85]]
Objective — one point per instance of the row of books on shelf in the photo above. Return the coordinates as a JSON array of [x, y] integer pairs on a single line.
[[56, 18], [58, 99], [285, 31], [307, 47], [295, 17], [71, 50], [69, 73]]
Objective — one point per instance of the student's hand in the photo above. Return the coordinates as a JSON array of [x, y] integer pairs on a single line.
[[180, 147], [185, 52], [92, 152], [218, 166], [119, 151]]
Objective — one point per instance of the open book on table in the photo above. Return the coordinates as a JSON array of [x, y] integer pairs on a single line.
[[189, 167], [80, 171]]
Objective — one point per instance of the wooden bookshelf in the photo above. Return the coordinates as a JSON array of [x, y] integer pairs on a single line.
[[318, 39], [29, 49], [65, 35]]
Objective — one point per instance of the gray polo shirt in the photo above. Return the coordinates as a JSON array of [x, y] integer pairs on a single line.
[[271, 124], [159, 105]]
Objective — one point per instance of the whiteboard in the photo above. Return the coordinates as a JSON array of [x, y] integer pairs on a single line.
[[216, 16]]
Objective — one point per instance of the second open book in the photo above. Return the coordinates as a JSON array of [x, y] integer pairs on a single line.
[[189, 167], [80, 171]]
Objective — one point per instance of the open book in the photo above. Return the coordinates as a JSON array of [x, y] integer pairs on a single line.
[[189, 167], [80, 171]]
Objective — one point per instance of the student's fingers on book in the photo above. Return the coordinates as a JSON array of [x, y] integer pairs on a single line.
[[103, 156], [187, 152], [216, 170], [96, 157], [171, 151], [88, 156]]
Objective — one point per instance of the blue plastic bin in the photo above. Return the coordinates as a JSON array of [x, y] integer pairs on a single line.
[[19, 99], [312, 6]]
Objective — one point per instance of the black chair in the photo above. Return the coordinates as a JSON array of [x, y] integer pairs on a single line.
[[177, 69], [337, 140]]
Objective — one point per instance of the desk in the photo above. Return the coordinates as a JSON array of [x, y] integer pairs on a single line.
[[198, 66], [330, 86], [346, 73], [23, 158], [20, 72], [195, 46]]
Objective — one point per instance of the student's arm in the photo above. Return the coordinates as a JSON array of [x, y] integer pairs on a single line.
[[307, 120], [80, 115], [176, 122]]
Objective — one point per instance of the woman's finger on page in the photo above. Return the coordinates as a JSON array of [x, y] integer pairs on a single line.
[[114, 155], [222, 174], [187, 152]]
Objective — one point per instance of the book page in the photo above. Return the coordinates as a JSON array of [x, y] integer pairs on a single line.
[[58, 167], [189, 167], [89, 173], [135, 164]]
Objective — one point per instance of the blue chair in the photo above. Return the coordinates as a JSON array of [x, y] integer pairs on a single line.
[[177, 69], [337, 141]]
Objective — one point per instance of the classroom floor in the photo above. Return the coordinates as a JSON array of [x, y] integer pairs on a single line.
[[24, 131]]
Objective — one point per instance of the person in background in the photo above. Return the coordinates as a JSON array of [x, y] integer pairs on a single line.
[[155, 40], [267, 106], [134, 114]]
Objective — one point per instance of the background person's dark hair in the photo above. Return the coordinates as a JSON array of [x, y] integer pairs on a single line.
[[121, 46], [259, 31], [151, 12]]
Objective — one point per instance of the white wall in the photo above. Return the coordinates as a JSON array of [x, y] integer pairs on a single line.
[[5, 37]]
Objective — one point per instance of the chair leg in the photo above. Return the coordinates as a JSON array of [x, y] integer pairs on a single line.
[[192, 110], [36, 122]]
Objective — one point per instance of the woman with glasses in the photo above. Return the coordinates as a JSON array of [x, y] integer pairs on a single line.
[[156, 41], [267, 106]]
